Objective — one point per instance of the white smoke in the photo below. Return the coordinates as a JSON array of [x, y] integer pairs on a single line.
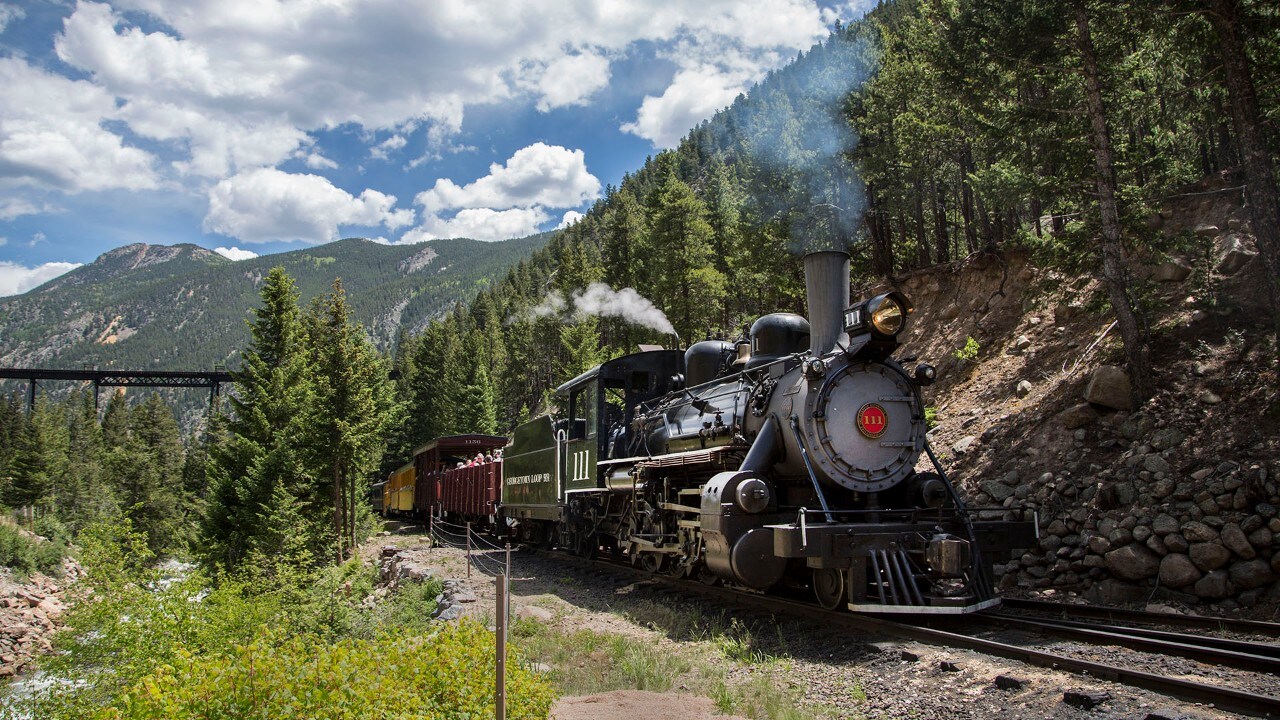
[[600, 300]]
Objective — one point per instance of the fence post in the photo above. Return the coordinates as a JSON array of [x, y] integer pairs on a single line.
[[500, 695], [468, 549]]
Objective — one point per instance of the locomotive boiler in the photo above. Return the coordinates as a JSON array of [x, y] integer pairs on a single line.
[[789, 459]]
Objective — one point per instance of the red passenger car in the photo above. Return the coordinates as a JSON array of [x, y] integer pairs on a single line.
[[469, 492]]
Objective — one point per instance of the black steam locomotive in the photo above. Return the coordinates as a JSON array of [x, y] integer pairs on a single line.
[[788, 458]]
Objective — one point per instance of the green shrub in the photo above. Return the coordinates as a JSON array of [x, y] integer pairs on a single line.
[[26, 554], [445, 676], [970, 350]]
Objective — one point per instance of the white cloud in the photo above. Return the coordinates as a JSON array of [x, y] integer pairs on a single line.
[[236, 84], [479, 224], [693, 96], [9, 13], [569, 218], [539, 174], [235, 253], [316, 161], [11, 208], [266, 204], [569, 80], [383, 150], [16, 279], [51, 135]]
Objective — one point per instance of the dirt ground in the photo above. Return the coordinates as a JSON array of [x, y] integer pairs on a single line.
[[632, 704]]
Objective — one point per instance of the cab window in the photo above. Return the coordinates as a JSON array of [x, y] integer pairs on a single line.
[[583, 404]]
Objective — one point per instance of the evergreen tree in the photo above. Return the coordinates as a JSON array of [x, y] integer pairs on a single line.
[[350, 416], [687, 284], [259, 450]]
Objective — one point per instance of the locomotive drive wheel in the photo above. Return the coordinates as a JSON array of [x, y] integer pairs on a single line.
[[587, 545], [652, 562], [828, 587]]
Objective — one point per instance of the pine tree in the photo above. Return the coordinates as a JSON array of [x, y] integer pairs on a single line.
[[687, 284], [351, 413], [259, 449]]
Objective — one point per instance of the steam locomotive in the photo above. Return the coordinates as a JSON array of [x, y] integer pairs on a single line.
[[786, 459]]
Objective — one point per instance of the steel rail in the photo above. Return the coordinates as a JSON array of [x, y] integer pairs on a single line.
[[1204, 622], [1243, 658], [1224, 698], [1270, 650]]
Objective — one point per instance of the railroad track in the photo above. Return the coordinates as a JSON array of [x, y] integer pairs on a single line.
[[1069, 611], [1251, 656]]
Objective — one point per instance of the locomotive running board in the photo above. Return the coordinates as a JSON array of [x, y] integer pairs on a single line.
[[923, 609]]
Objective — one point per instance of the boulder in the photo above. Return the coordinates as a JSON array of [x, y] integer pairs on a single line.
[[1155, 464], [962, 445], [1133, 562], [1261, 538], [1198, 532], [1165, 524], [1176, 570], [1167, 438], [1078, 416], [1173, 270], [1207, 230], [1235, 254], [1176, 543], [997, 490], [1109, 387], [533, 612], [1213, 586], [1024, 388], [1250, 574], [1236, 541]]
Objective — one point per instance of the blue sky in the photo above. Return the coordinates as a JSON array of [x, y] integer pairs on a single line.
[[261, 126]]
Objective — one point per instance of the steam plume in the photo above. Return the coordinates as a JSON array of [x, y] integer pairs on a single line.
[[600, 300]]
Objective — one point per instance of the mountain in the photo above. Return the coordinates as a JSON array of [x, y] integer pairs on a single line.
[[183, 307]]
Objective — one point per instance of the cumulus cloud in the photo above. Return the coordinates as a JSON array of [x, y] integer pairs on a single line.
[[16, 279], [266, 204], [694, 95], [52, 134], [569, 218], [539, 174], [479, 224], [513, 200], [235, 253], [237, 89], [569, 80], [316, 161]]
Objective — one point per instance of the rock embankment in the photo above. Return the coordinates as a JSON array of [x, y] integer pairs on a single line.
[[30, 613], [397, 566]]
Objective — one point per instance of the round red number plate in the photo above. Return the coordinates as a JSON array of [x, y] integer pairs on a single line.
[[872, 421]]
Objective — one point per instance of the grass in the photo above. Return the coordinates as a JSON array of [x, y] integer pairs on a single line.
[[742, 669]]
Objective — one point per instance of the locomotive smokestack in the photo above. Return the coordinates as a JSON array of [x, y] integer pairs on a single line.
[[826, 280]]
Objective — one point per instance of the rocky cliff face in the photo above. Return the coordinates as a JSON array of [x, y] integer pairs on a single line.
[[1175, 500]]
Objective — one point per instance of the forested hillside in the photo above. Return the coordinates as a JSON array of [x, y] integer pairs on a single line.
[[183, 307], [925, 133]]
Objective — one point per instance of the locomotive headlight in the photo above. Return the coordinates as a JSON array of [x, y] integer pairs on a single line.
[[884, 315], [887, 315]]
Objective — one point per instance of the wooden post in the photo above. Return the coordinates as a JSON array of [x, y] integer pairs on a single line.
[[468, 549], [500, 695]]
